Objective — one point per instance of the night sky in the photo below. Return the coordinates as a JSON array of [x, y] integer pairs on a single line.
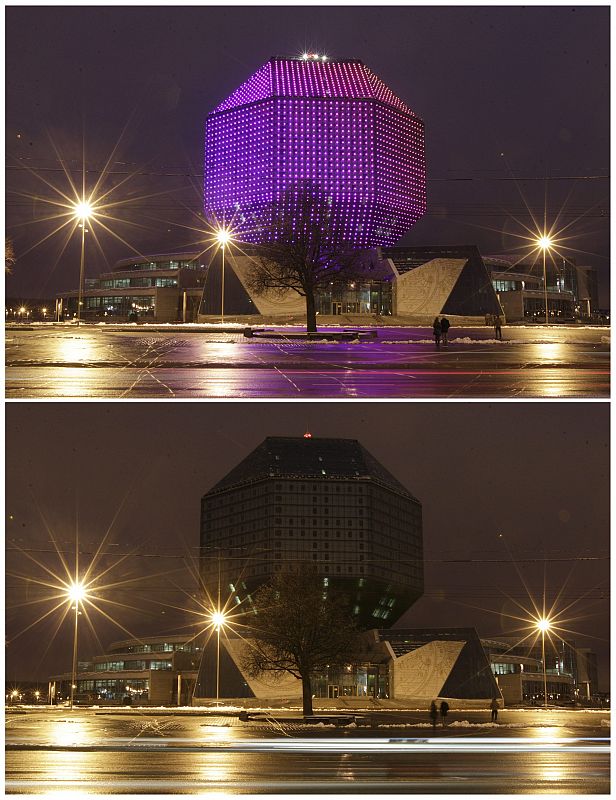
[[536, 472], [532, 83]]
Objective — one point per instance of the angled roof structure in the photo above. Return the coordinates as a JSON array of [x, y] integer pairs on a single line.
[[299, 77], [310, 457]]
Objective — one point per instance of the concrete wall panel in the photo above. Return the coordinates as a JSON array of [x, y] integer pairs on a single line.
[[287, 687], [421, 673], [271, 302], [424, 290]]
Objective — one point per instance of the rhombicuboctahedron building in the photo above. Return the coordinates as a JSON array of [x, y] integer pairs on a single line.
[[326, 502], [332, 123]]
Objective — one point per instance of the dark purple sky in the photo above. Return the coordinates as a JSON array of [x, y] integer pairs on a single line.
[[532, 83], [536, 472]]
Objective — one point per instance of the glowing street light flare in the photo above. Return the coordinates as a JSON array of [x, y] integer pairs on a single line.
[[83, 210], [538, 619], [77, 592], [224, 237], [544, 242], [219, 618], [72, 204], [544, 624], [71, 589]]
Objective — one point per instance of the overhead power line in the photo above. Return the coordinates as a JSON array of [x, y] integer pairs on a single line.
[[260, 554], [187, 174]]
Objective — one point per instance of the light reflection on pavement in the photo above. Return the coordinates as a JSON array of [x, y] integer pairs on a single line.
[[96, 362], [106, 363], [147, 752], [280, 773]]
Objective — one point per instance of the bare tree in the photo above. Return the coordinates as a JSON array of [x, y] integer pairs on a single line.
[[299, 628], [9, 255], [305, 250]]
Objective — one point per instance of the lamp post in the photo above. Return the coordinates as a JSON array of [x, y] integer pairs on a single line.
[[218, 620], [544, 243], [544, 625], [223, 237], [76, 592], [83, 211]]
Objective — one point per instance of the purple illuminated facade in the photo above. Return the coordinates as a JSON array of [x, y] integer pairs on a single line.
[[331, 123]]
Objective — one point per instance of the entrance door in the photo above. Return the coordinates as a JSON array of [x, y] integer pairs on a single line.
[[332, 691]]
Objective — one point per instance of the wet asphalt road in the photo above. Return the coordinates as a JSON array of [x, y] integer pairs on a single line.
[[133, 753], [97, 362]]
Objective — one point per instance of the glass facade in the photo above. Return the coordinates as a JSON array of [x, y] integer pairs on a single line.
[[505, 669], [507, 286], [373, 297], [124, 283], [532, 691], [115, 306], [354, 680], [156, 647], [558, 308], [116, 689], [131, 666], [156, 265]]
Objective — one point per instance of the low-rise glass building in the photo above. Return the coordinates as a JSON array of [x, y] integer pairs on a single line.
[[572, 291], [148, 671], [160, 288], [518, 669]]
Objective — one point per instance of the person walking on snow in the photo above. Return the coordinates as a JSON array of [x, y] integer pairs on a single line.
[[497, 327], [433, 713], [436, 332], [444, 328], [444, 710], [494, 709]]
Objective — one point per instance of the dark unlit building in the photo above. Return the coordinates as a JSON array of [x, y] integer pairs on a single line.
[[327, 502]]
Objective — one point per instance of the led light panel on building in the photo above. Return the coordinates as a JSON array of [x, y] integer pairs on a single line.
[[331, 123]]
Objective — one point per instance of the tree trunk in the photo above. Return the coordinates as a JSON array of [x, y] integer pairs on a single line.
[[311, 314], [307, 695]]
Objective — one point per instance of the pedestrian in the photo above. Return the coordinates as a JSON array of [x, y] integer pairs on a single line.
[[497, 327], [433, 713], [494, 709], [436, 332], [444, 328], [444, 710]]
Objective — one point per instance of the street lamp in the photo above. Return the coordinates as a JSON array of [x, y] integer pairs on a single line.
[[76, 592], [544, 243], [543, 624], [223, 237], [218, 621], [82, 211]]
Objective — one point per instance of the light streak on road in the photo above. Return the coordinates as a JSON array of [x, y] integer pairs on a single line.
[[547, 744]]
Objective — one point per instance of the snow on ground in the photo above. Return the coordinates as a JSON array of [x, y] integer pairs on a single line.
[[464, 723]]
